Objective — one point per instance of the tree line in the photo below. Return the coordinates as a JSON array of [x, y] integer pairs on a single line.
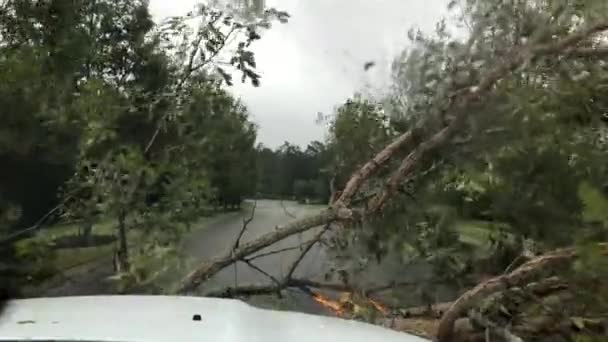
[[288, 172]]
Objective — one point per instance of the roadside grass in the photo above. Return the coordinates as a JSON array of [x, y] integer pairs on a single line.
[[69, 258], [102, 227], [79, 260]]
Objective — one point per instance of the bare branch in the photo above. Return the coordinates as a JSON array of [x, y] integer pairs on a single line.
[[305, 251], [372, 166], [287, 211], [16, 235], [246, 223], [277, 251], [187, 74], [255, 289], [250, 264], [205, 270]]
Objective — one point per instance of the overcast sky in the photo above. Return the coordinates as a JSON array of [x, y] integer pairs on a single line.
[[315, 62]]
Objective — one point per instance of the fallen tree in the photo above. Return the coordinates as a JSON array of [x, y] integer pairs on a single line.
[[341, 210], [416, 144]]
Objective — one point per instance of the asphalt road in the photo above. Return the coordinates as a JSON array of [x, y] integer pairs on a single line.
[[221, 232]]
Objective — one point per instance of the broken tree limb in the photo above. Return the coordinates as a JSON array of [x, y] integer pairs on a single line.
[[257, 289], [277, 251], [305, 251], [522, 275], [246, 223], [287, 211], [340, 209], [207, 269], [253, 266], [372, 166], [459, 107], [519, 276]]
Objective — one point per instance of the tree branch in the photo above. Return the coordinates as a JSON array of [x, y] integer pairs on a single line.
[[250, 264], [207, 269], [372, 166], [256, 289], [522, 275], [277, 251], [459, 106], [246, 223], [305, 251], [340, 210], [286, 211]]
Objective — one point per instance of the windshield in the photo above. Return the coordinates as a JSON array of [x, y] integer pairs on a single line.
[[436, 168]]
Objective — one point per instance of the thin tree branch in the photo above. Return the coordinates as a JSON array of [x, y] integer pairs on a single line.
[[206, 269], [305, 251], [286, 211], [250, 264], [243, 290], [277, 251], [16, 235], [246, 223], [187, 74], [256, 289]]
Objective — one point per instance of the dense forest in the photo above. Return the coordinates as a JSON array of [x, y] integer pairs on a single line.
[[292, 173], [486, 160]]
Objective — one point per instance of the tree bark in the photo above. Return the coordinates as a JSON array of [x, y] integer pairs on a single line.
[[122, 253]]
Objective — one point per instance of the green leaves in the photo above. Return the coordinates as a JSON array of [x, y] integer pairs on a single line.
[[595, 204]]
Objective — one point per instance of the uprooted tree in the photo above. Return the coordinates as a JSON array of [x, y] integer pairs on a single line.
[[501, 121]]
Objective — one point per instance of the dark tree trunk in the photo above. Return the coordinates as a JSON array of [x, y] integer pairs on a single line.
[[121, 261], [87, 230]]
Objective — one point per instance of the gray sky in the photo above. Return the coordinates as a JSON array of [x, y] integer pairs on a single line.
[[315, 62]]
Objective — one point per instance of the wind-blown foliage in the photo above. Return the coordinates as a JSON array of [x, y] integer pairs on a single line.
[[131, 120]]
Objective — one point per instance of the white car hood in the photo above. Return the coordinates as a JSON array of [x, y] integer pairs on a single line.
[[170, 319]]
